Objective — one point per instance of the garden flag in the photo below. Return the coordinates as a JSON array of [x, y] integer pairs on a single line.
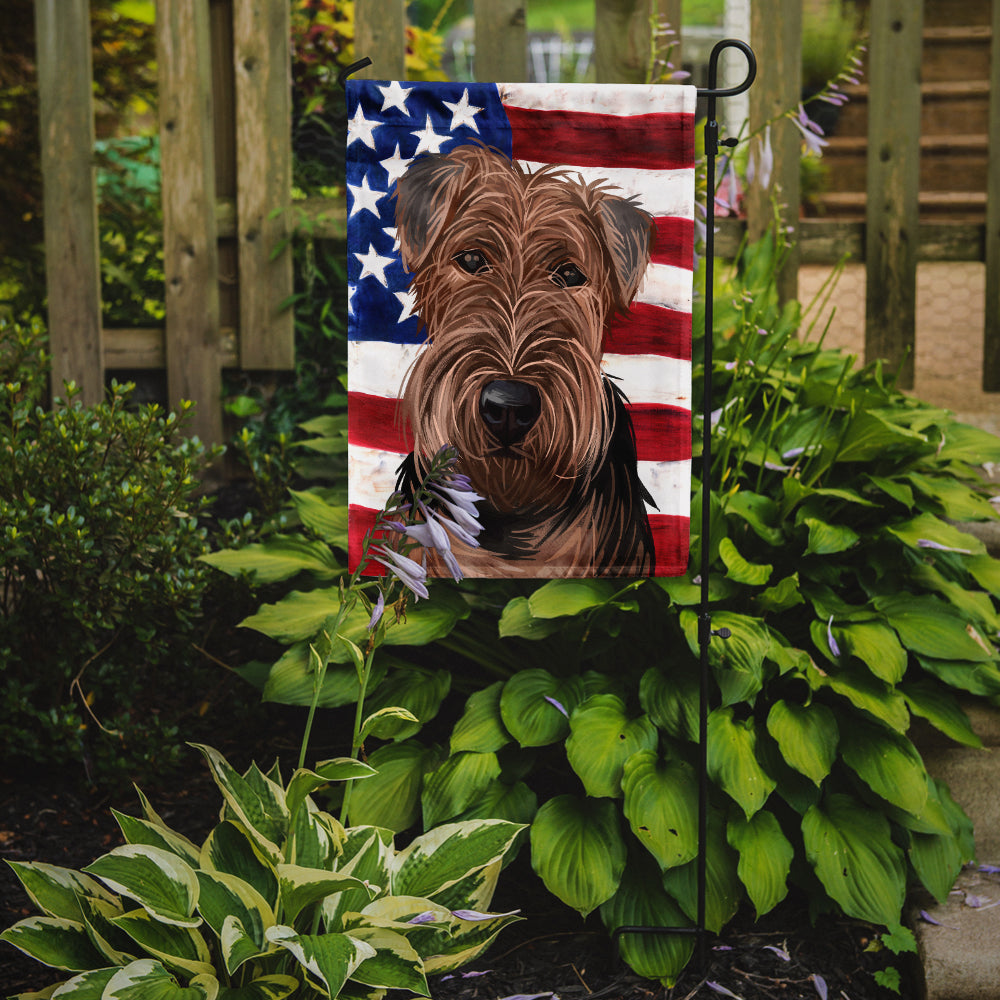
[[520, 279]]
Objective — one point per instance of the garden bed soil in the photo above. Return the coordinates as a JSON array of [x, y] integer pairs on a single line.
[[60, 821]]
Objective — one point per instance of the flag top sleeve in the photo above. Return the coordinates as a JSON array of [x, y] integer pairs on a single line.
[[635, 140]]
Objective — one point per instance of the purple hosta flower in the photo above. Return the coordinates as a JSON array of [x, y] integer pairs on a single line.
[[761, 163], [927, 543], [780, 952], [411, 573], [834, 648], [475, 915], [465, 975], [559, 705], [377, 611], [719, 988], [812, 134], [989, 869], [820, 983], [427, 917], [727, 198], [463, 511]]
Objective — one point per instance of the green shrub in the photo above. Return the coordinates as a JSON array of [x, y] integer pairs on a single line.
[[279, 900], [99, 541]]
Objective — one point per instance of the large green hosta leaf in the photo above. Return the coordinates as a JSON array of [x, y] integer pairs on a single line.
[[578, 851], [415, 689], [807, 736], [456, 785], [602, 738], [278, 558], [876, 646], [941, 709], [535, 706], [481, 727], [738, 661], [671, 700], [851, 850], [391, 798], [932, 628], [641, 901], [559, 598], [765, 858], [732, 760], [661, 806], [888, 763]]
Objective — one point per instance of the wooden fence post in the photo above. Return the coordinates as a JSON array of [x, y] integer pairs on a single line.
[[72, 255], [190, 251], [262, 60], [991, 332], [776, 35], [380, 34], [622, 40], [501, 41], [893, 183]]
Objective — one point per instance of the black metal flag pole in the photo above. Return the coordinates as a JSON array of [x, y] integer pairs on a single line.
[[705, 632]]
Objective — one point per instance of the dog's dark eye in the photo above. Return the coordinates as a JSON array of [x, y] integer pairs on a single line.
[[568, 275], [472, 261]]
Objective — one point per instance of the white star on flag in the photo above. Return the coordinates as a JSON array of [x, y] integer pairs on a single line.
[[395, 97], [395, 166], [374, 264], [364, 197], [393, 233], [463, 113], [430, 141], [408, 300], [360, 128]]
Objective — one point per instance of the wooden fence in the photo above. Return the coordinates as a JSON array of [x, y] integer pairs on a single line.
[[226, 160]]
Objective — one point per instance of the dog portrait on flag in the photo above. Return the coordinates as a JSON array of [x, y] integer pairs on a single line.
[[520, 262]]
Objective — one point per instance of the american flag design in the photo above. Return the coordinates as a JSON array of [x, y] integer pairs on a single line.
[[639, 139]]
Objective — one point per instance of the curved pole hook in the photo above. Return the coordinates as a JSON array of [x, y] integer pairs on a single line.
[[348, 70], [712, 90]]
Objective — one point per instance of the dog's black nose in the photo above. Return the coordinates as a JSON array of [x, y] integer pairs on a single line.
[[509, 409]]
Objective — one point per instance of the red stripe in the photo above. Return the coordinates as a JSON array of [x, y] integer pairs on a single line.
[[671, 534], [662, 433], [670, 540], [585, 139], [674, 243], [375, 422], [650, 329]]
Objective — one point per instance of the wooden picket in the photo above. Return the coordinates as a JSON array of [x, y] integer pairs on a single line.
[[226, 160]]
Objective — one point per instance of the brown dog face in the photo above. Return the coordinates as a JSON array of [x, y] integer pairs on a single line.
[[515, 276]]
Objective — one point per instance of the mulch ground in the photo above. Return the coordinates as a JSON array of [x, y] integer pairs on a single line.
[[551, 953]]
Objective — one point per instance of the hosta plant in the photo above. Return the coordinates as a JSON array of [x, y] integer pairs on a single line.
[[279, 900]]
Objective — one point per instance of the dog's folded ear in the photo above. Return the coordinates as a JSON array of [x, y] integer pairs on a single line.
[[425, 196], [628, 235]]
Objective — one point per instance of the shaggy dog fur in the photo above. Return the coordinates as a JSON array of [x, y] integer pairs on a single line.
[[516, 275]]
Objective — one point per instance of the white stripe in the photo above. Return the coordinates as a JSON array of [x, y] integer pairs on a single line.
[[659, 192], [669, 483], [667, 286], [371, 476], [646, 378], [605, 99], [378, 367], [372, 479]]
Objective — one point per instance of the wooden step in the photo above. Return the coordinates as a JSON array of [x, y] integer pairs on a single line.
[[956, 53], [940, 13], [947, 162], [958, 206], [947, 105]]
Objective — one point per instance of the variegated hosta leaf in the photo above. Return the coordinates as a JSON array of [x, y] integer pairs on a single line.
[[158, 880], [850, 847], [56, 891], [274, 987], [315, 838], [300, 887], [661, 800], [732, 760], [256, 801], [304, 782], [329, 959], [807, 736], [141, 831], [642, 902], [481, 727], [230, 849], [475, 891], [602, 737], [147, 979], [177, 947], [86, 986], [116, 946], [225, 897], [395, 964], [54, 941], [367, 851], [441, 857], [765, 858], [578, 851]]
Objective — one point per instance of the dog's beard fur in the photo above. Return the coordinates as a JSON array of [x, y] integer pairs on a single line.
[[492, 337]]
